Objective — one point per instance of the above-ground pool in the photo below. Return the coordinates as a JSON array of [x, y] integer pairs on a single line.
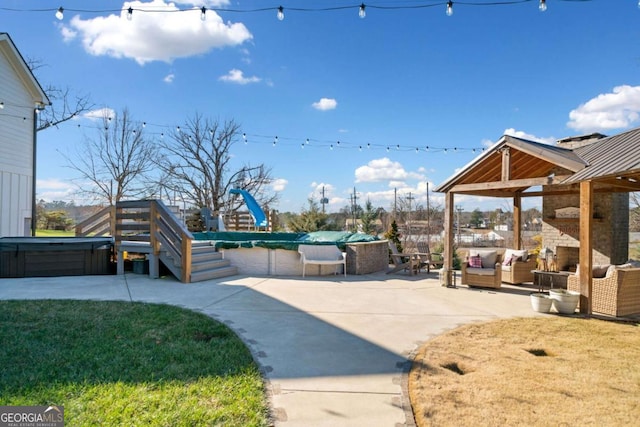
[[276, 254], [55, 256]]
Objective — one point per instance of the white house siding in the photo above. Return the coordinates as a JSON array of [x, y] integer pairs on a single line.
[[16, 147]]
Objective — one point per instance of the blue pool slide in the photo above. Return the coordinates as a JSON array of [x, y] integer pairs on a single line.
[[256, 211]]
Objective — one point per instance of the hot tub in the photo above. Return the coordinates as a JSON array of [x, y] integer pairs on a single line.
[[55, 256]]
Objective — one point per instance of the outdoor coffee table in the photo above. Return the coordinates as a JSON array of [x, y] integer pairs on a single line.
[[550, 279]]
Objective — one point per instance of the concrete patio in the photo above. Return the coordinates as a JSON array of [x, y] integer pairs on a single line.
[[334, 351]]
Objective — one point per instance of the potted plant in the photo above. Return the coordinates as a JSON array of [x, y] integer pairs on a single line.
[[541, 302], [564, 301]]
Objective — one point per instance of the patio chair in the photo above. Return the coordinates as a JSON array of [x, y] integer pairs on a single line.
[[403, 261], [428, 258]]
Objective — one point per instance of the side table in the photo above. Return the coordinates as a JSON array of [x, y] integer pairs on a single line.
[[550, 279]]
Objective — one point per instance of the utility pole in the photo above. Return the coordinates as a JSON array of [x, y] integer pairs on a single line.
[[428, 219], [354, 200], [458, 210], [409, 198], [323, 200]]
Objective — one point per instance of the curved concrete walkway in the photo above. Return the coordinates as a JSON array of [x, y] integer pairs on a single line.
[[334, 350]]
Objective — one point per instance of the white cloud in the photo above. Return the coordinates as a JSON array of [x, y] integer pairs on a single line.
[[384, 170], [530, 137], [279, 184], [99, 114], [237, 76], [169, 78], [54, 189], [325, 104], [615, 110], [151, 37]]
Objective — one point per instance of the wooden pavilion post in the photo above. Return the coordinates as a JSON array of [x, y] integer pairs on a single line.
[[448, 239], [586, 246], [517, 221]]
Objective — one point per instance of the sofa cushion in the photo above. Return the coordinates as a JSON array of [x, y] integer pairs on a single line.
[[597, 271], [489, 258], [523, 254], [482, 271]]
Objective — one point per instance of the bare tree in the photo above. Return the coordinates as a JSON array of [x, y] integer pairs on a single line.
[[196, 162], [64, 105], [117, 162]]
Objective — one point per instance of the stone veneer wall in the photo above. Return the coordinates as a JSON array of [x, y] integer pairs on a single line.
[[362, 258], [610, 226], [367, 257]]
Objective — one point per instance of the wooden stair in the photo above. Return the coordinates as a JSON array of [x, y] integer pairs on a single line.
[[206, 263], [149, 227]]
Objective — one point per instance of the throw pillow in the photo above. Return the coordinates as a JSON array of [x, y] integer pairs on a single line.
[[475, 261]]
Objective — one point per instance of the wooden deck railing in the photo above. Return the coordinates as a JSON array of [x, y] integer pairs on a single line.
[[99, 224], [151, 221]]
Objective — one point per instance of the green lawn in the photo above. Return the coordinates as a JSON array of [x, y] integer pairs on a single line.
[[55, 233], [134, 364]]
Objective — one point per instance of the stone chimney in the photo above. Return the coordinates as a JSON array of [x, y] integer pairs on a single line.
[[572, 142]]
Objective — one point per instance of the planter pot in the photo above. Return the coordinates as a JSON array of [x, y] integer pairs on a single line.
[[541, 302], [564, 301]]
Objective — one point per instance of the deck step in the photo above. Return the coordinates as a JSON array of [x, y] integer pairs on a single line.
[[216, 273]]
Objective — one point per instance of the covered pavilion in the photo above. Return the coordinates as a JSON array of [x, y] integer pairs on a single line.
[[581, 167]]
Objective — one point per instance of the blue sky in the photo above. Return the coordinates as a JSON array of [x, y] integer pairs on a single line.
[[400, 78]]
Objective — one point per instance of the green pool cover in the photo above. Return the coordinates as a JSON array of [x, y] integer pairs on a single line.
[[288, 241]]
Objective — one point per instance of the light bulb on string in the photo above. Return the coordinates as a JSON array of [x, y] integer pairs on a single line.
[[129, 14], [60, 13], [397, 146], [1, 105], [368, 145], [426, 148], [360, 148], [144, 124], [543, 5], [387, 149], [302, 145], [280, 14], [307, 141], [331, 147], [449, 8], [178, 129], [361, 12], [203, 14]]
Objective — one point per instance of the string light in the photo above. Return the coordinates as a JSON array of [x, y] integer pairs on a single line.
[[542, 6], [256, 139], [449, 8], [59, 12]]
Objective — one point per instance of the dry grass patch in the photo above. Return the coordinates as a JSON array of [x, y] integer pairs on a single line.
[[534, 371]]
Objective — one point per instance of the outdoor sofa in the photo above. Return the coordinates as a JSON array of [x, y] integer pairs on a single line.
[[616, 294]]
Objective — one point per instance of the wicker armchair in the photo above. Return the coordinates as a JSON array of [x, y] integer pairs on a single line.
[[489, 276], [519, 271], [617, 295]]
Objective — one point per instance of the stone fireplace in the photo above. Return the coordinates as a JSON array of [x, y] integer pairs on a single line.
[[561, 228]]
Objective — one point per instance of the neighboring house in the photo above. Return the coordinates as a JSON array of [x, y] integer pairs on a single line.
[[20, 96]]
